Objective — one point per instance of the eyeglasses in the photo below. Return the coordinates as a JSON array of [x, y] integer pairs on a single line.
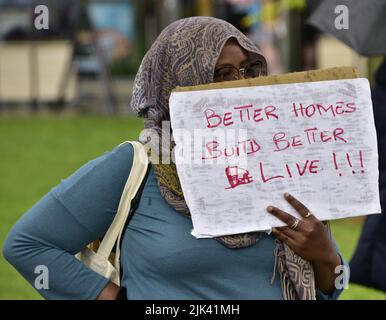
[[230, 73]]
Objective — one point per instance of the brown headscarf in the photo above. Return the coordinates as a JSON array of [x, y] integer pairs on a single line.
[[185, 54]]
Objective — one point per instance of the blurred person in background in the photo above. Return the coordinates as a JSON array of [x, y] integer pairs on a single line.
[[367, 37], [263, 32], [368, 264], [258, 20]]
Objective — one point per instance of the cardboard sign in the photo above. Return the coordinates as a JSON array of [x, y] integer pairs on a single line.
[[239, 149]]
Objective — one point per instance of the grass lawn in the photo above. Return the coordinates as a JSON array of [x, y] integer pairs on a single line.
[[37, 152]]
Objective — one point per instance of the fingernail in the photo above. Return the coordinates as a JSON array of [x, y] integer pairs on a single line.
[[269, 209], [286, 194]]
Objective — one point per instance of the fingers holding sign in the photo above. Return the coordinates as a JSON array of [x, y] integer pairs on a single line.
[[307, 237]]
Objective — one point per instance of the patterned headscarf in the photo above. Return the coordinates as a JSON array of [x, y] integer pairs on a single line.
[[185, 54]]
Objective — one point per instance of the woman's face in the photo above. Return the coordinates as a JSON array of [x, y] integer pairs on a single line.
[[232, 58]]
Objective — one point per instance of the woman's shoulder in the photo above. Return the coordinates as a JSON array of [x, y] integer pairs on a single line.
[[119, 156], [101, 178]]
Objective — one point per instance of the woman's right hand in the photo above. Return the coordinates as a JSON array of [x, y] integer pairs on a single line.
[[110, 292]]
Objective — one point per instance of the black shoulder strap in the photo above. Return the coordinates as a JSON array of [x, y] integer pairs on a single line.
[[135, 201], [134, 205]]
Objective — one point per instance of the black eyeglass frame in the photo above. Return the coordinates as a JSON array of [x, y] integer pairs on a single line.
[[241, 72]]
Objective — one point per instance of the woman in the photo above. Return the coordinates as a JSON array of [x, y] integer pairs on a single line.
[[159, 257]]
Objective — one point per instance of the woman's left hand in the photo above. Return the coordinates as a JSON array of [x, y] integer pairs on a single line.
[[308, 237]]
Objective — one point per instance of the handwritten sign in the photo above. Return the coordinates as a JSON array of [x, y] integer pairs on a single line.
[[239, 149]]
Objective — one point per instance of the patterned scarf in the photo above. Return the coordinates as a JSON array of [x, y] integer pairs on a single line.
[[185, 54]]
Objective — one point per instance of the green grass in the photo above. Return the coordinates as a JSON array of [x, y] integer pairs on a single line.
[[37, 152], [346, 233]]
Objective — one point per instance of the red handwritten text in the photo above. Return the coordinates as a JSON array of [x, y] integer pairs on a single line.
[[213, 150], [339, 108], [240, 114], [310, 136]]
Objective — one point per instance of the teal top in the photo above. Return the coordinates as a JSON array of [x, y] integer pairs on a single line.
[[160, 259]]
